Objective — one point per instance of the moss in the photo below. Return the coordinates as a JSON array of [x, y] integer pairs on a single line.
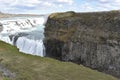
[[62, 15]]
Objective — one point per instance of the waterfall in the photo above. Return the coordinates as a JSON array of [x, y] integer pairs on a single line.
[[26, 34], [6, 39], [34, 47]]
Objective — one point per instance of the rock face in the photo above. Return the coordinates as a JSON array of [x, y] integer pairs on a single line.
[[91, 39], [1, 27]]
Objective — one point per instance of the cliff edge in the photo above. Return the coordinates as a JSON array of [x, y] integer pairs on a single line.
[[91, 39]]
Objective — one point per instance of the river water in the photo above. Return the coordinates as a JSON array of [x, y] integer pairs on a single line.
[[26, 33]]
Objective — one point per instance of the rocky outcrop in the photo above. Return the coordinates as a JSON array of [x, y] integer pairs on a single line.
[[1, 27], [91, 39], [14, 37]]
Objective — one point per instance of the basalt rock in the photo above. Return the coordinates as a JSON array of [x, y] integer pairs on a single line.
[[91, 39]]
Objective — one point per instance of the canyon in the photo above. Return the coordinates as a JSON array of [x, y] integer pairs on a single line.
[[90, 39]]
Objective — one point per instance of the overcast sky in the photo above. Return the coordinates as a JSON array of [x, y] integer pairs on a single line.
[[49, 6]]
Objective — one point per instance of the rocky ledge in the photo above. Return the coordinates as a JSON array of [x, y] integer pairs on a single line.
[[91, 39]]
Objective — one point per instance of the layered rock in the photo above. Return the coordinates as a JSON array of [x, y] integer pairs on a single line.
[[91, 39]]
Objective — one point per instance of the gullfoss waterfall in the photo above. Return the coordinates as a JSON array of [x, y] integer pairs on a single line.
[[26, 34]]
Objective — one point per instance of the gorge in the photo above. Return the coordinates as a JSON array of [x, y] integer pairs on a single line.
[[90, 39]]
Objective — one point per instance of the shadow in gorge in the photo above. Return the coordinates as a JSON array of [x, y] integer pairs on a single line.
[[54, 48]]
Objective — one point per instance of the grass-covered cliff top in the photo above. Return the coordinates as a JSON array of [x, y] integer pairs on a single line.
[[96, 26], [27, 67], [86, 15], [62, 15]]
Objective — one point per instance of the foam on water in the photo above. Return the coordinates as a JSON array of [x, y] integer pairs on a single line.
[[26, 34]]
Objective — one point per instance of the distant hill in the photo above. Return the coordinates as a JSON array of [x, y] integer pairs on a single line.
[[7, 15]]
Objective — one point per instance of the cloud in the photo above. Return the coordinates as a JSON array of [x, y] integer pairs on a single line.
[[86, 7], [29, 3], [100, 5], [16, 5], [42, 6], [65, 1], [106, 1]]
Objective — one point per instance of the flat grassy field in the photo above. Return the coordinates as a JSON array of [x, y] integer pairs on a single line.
[[27, 67]]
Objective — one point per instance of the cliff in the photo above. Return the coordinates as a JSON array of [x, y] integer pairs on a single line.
[[91, 39]]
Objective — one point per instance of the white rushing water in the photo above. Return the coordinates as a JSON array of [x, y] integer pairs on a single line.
[[26, 34]]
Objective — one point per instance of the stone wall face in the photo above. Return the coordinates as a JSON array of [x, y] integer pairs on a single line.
[[91, 39]]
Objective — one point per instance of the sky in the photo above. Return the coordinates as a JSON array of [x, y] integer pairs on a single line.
[[50, 6]]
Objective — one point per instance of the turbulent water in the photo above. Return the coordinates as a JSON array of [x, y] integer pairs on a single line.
[[26, 34]]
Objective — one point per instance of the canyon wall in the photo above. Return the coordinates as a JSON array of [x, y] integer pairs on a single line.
[[91, 39]]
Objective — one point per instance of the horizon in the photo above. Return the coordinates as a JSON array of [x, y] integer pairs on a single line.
[[51, 6]]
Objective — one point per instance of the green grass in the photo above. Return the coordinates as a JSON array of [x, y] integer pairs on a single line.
[[62, 15], [29, 67]]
